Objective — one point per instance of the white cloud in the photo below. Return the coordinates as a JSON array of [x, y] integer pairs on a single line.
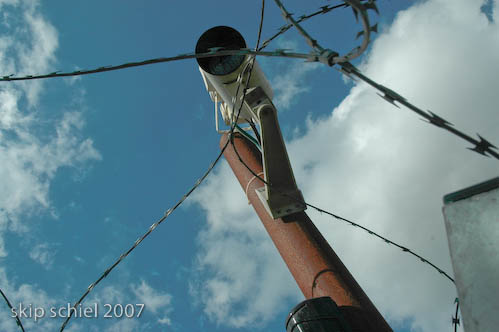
[[29, 296], [43, 254], [28, 164], [126, 325], [32, 149], [38, 55], [377, 165], [79, 259], [288, 81], [288, 86], [240, 277], [156, 303], [154, 300], [29, 161], [108, 294]]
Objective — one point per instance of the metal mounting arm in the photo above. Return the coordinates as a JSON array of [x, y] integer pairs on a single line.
[[281, 197]]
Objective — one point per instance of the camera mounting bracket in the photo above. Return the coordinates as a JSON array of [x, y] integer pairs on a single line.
[[280, 195]]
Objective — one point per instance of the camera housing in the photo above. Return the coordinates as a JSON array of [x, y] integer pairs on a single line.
[[223, 74]]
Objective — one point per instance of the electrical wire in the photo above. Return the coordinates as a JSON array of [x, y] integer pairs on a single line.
[[248, 136], [184, 197], [255, 131], [16, 317]]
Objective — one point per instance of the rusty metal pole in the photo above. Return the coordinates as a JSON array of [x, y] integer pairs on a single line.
[[314, 265]]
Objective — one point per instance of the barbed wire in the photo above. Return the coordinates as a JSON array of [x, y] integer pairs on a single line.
[[284, 28], [185, 196], [142, 238], [359, 8], [388, 241], [319, 54], [214, 52], [352, 223], [326, 56], [455, 319], [16, 317], [481, 146]]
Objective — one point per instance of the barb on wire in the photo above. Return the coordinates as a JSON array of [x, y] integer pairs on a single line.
[[184, 197], [455, 319], [284, 28], [16, 317], [481, 146], [388, 241], [329, 56], [370, 232]]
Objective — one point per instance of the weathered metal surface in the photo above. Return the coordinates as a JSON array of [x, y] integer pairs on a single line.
[[472, 224], [314, 265]]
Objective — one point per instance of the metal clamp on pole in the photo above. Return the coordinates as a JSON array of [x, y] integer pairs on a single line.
[[280, 196]]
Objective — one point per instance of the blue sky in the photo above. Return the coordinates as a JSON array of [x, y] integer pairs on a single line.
[[87, 164]]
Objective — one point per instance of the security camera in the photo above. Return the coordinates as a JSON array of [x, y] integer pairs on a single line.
[[223, 74], [225, 78]]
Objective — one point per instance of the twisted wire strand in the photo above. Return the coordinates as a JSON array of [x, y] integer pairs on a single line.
[[212, 53], [359, 8], [184, 197], [352, 223], [16, 317], [185, 56]]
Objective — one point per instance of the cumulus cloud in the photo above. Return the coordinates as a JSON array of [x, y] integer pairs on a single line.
[[287, 82], [240, 278], [43, 254], [288, 86], [28, 296], [377, 165], [127, 325], [154, 300], [31, 151]]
